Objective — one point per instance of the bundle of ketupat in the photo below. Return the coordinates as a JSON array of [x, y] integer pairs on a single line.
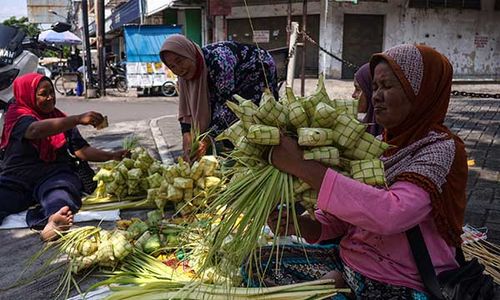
[[326, 129], [189, 188], [129, 177], [141, 177]]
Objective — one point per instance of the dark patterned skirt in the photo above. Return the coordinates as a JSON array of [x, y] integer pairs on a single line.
[[300, 263]]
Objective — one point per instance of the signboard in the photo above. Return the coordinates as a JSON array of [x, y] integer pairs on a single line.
[[480, 41], [261, 36], [143, 74], [220, 7], [154, 6]]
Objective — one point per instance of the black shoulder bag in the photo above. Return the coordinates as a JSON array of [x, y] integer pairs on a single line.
[[82, 168], [467, 282]]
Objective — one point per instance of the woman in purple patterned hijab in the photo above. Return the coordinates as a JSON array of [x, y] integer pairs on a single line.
[[363, 78]]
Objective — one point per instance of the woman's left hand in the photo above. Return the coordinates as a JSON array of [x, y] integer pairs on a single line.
[[202, 149], [120, 154], [287, 156]]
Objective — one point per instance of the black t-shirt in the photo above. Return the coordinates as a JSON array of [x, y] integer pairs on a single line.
[[22, 160]]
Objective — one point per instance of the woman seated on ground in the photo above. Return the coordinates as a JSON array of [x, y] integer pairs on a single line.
[[210, 76], [426, 173], [36, 167], [363, 93]]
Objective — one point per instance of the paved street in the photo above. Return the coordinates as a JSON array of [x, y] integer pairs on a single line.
[[477, 122]]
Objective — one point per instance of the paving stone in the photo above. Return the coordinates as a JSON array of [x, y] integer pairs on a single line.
[[493, 216], [481, 197], [474, 218]]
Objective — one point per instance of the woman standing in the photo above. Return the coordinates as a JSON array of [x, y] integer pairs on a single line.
[[210, 76], [36, 169]]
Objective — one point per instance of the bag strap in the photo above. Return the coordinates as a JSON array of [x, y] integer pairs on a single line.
[[423, 261]]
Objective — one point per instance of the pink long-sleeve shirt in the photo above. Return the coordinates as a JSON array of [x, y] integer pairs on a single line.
[[373, 223]]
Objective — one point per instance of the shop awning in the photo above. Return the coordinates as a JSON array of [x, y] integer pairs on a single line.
[[143, 43]]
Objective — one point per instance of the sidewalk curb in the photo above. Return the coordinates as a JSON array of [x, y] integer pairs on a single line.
[[161, 143]]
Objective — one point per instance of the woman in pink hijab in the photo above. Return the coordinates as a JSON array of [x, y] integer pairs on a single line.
[[210, 76]]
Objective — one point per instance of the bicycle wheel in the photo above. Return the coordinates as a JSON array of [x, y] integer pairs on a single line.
[[168, 89], [121, 85], [59, 85]]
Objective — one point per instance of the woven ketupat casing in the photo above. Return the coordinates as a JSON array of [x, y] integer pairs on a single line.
[[271, 112], [244, 111], [249, 148], [367, 147], [121, 246], [327, 155], [369, 171], [319, 96], [232, 133], [347, 131], [297, 115], [348, 106], [300, 186], [248, 110], [315, 136], [263, 135], [324, 116]]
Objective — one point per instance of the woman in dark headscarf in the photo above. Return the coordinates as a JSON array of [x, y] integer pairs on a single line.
[[426, 173], [36, 167], [363, 92]]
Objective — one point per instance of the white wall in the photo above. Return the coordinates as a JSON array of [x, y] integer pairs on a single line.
[[469, 38]]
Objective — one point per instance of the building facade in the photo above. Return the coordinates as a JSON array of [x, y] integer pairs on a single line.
[[466, 31]]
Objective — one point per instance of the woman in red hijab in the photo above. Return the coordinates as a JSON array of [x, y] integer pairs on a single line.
[[36, 169]]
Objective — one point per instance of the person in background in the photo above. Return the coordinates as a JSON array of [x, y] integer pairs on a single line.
[[36, 169], [426, 175], [210, 76], [363, 93], [75, 61]]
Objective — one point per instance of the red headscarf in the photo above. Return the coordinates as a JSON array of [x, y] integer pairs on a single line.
[[25, 105], [426, 76]]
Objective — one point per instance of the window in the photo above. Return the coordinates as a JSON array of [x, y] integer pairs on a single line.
[[460, 4]]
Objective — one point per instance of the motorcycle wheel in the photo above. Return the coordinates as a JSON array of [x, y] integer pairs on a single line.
[[169, 89], [121, 85]]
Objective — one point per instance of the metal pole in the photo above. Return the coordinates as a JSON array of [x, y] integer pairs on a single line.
[[100, 46], [289, 23], [88, 62], [292, 54], [304, 28]]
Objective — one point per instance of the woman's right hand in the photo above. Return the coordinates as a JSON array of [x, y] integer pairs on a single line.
[[284, 229], [90, 118], [186, 146], [309, 229]]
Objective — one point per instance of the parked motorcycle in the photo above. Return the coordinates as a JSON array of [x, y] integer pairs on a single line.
[[18, 56]]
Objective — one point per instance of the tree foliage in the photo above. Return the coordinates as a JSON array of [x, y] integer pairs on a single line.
[[23, 23]]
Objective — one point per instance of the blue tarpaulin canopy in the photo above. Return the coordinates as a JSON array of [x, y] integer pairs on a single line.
[[143, 43]]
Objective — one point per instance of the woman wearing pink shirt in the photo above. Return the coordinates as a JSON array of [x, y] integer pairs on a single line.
[[426, 173]]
